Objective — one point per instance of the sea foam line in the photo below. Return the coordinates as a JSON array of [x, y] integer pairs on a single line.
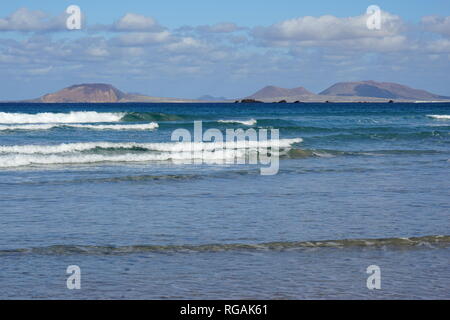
[[434, 241], [31, 127], [20, 160], [439, 116], [161, 147], [72, 117], [250, 122]]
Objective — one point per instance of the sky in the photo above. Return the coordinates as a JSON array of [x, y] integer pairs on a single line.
[[186, 49]]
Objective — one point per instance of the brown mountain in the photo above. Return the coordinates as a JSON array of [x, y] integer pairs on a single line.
[[92, 92], [99, 92], [386, 90], [272, 92]]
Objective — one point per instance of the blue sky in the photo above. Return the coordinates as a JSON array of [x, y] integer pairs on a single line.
[[227, 48]]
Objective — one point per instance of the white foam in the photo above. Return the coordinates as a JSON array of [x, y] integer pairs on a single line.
[[439, 116], [72, 117], [160, 147], [250, 122], [28, 127], [20, 160], [147, 126], [323, 155]]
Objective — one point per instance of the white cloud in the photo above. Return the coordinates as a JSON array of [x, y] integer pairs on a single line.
[[438, 46], [143, 38], [185, 43], [333, 31], [437, 24], [136, 22], [26, 20]]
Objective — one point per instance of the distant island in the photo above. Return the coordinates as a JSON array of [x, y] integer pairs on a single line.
[[99, 93], [361, 91]]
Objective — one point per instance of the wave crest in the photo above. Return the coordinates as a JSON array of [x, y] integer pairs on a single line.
[[72, 117], [439, 116], [21, 160], [161, 146], [32, 127], [413, 242], [96, 152], [250, 122], [87, 117]]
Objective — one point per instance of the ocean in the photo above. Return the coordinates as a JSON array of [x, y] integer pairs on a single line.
[[103, 187]]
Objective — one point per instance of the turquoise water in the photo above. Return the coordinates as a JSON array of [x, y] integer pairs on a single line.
[[96, 185]]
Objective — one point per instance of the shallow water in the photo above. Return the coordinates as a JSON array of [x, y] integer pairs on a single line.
[[141, 225]]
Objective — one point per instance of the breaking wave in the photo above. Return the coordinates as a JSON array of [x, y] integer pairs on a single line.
[[439, 116], [72, 117], [21, 160], [250, 122], [132, 146], [31, 127], [413, 242], [87, 117], [97, 152]]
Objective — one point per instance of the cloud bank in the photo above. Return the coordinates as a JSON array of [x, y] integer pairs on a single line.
[[208, 58]]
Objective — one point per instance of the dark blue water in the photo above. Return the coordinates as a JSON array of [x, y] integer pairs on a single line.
[[102, 186]]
